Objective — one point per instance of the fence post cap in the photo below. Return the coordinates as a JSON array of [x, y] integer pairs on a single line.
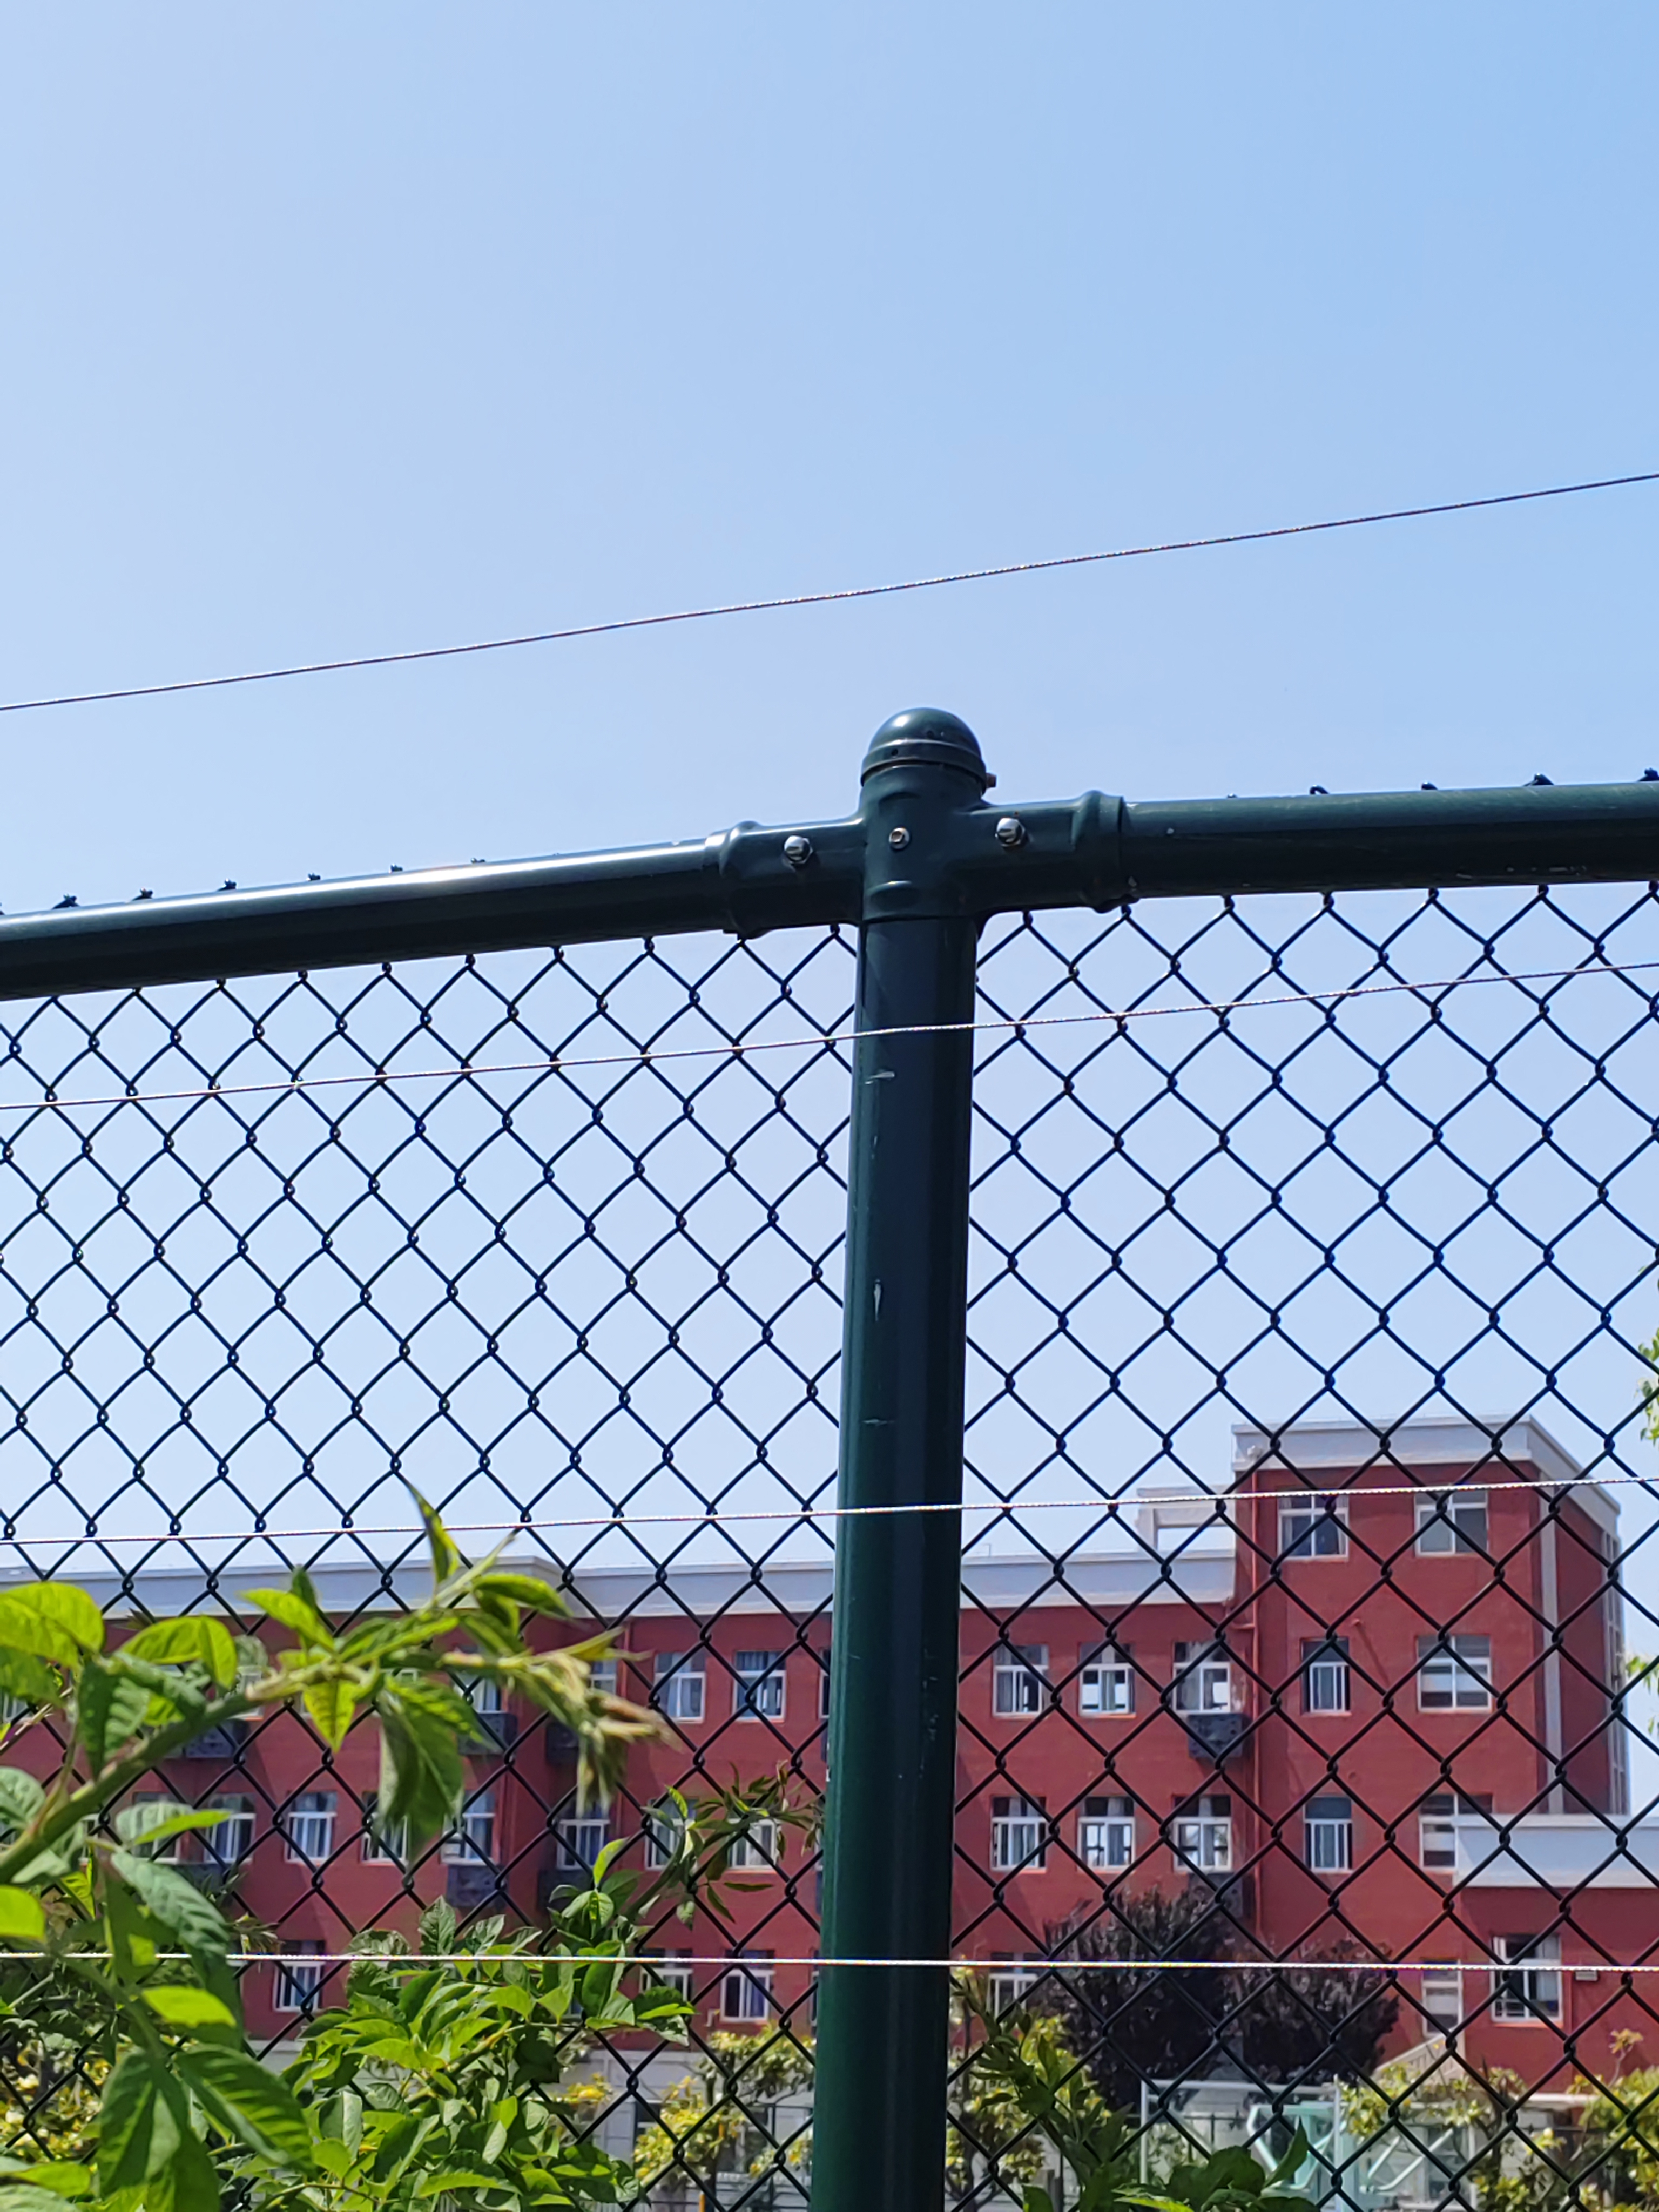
[[931, 734]]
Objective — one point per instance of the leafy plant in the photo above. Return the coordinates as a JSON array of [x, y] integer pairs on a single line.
[[150, 1951]]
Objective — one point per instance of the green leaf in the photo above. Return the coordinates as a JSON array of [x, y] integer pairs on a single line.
[[65, 2177], [199, 1641], [437, 1927], [528, 1591], [187, 2183], [460, 2177], [1038, 2200], [21, 1797], [296, 1611], [21, 1920], [134, 1937], [186, 2007], [151, 1823], [54, 1620], [172, 1900], [28, 1679], [21, 2196], [422, 1776], [109, 1710], [250, 2103], [137, 2129], [446, 1560], [331, 1707]]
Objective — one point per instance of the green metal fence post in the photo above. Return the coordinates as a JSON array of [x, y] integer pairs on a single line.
[[879, 2134]]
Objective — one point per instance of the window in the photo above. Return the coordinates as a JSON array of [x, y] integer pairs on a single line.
[[678, 1694], [383, 1845], [673, 1970], [746, 1987], [1329, 1824], [482, 1694], [474, 1840], [1019, 1678], [1204, 1835], [602, 1676], [299, 1977], [229, 1844], [758, 1691], [1325, 1675], [580, 1837], [1454, 1673], [755, 1851], [308, 1825], [1108, 1681], [665, 1830], [1443, 1842], [1203, 1678], [1019, 1835], [823, 1658], [1442, 1995], [1106, 1833], [1008, 1983], [154, 1805], [1313, 1528], [1531, 1987], [1452, 1520]]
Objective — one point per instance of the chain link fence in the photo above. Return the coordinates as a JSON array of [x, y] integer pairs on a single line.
[[1307, 1506]]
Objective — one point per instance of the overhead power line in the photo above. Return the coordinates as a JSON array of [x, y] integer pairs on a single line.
[[820, 598], [735, 1048]]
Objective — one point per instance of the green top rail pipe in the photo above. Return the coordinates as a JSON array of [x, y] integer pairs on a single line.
[[1091, 852]]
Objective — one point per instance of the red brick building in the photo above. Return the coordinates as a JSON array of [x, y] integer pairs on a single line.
[[1368, 1698]]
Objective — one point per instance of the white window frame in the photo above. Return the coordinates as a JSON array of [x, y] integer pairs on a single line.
[[1019, 1681], [674, 1970], [580, 1837], [309, 1818], [1328, 1836], [484, 1693], [1106, 1687], [602, 1676], [746, 1988], [1442, 1995], [1203, 1677], [757, 1689], [1008, 1983], [680, 1689], [240, 1824], [298, 1982], [166, 1852], [1313, 1524], [1440, 1515], [1019, 1835], [1327, 1679], [1106, 1839], [471, 1842], [823, 1658], [1526, 1986], [1444, 1822], [664, 1831], [1446, 1667], [380, 1847], [1204, 1840], [757, 1851]]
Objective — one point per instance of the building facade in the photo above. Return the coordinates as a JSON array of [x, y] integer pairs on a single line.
[[1367, 1702]]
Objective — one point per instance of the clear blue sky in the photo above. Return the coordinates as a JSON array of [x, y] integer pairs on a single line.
[[336, 329]]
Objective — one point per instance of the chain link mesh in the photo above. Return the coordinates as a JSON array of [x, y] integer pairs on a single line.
[[1386, 1265]]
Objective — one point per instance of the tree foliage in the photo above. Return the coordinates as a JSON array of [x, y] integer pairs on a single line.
[[151, 1956]]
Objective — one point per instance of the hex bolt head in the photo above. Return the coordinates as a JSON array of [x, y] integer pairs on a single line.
[[898, 839], [798, 851], [1011, 832]]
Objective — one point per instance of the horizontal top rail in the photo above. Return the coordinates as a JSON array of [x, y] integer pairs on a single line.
[[974, 858]]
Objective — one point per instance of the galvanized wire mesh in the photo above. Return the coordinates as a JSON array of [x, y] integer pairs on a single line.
[[593, 1313]]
